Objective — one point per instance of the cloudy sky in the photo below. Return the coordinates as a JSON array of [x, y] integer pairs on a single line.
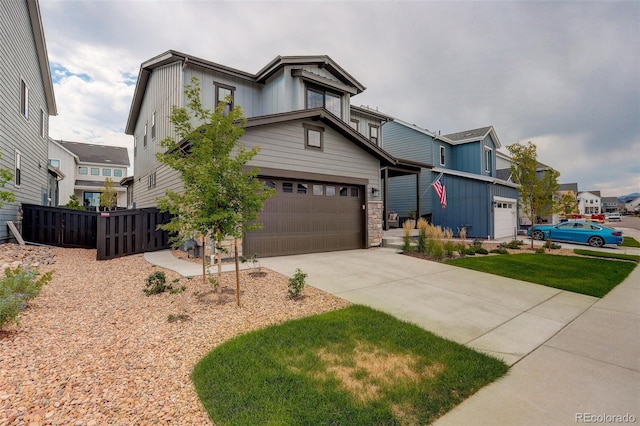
[[564, 75]]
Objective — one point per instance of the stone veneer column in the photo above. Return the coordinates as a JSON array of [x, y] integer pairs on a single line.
[[374, 223]]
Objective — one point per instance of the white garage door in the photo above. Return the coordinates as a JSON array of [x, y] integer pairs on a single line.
[[504, 216]]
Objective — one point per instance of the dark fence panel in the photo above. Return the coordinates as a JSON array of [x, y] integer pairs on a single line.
[[59, 226], [114, 233], [126, 232]]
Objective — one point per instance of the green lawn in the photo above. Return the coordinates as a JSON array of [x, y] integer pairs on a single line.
[[630, 242], [355, 366], [586, 275]]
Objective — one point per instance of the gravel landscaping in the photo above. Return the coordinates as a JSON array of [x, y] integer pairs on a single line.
[[93, 349]]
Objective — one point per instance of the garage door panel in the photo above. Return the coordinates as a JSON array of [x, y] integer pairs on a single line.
[[320, 220]]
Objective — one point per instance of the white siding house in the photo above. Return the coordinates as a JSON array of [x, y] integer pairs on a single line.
[[589, 202]]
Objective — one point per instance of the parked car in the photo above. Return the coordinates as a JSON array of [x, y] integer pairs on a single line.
[[582, 232], [614, 217]]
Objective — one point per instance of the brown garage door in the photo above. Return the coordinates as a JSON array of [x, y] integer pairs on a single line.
[[308, 217]]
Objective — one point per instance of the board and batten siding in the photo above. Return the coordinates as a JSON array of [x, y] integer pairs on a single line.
[[164, 91], [282, 146], [20, 62]]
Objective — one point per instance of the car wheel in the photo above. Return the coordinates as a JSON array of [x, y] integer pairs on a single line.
[[596, 242], [538, 235]]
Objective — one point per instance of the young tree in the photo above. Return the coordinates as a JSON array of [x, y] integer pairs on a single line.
[[219, 197], [567, 203], [108, 196], [537, 188], [5, 176]]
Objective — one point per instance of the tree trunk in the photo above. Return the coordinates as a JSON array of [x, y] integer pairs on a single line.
[[204, 265], [235, 249]]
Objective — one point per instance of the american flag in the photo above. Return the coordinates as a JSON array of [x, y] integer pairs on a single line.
[[438, 185]]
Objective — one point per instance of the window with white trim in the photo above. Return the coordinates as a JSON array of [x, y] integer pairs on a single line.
[[24, 99], [106, 172], [144, 140], [355, 124], [153, 125], [95, 171], [54, 163], [17, 175], [442, 155], [488, 160], [83, 170], [117, 173]]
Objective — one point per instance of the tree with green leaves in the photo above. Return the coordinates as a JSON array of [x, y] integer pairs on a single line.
[[567, 203], [5, 177], [537, 187], [109, 196], [74, 203], [220, 197]]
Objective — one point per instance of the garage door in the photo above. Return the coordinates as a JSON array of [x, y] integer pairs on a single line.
[[308, 217], [504, 217]]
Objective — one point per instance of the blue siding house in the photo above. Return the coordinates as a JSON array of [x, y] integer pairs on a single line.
[[476, 198]]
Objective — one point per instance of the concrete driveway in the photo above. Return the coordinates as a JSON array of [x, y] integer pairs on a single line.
[[574, 359], [499, 316]]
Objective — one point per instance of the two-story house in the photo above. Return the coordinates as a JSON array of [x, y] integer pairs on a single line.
[[26, 102], [320, 155], [85, 168], [476, 198], [589, 202]]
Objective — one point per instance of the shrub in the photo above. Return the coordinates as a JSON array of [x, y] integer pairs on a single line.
[[449, 248], [513, 244], [423, 226], [16, 288], [461, 249], [406, 239], [481, 250], [156, 283], [541, 250], [296, 283], [499, 251], [550, 245], [470, 252], [435, 249]]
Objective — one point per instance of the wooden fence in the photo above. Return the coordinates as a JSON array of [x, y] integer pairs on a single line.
[[113, 233]]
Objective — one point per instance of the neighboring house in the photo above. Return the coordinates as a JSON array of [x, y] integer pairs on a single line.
[[632, 205], [26, 102], [325, 172], [610, 204], [572, 190], [477, 198], [589, 202], [86, 167]]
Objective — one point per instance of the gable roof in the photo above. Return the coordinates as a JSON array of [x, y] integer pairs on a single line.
[[90, 153], [43, 58], [474, 135], [569, 187], [326, 117], [347, 82]]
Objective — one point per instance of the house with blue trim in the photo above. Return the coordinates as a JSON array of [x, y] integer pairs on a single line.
[[476, 197]]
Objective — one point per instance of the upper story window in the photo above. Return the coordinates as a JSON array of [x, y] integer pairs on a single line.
[[106, 172], [144, 140], [373, 133], [313, 137], [442, 157], [83, 170], [54, 163], [318, 98], [95, 171], [17, 176], [135, 146], [24, 99], [153, 125], [355, 124], [488, 160], [117, 172], [224, 94]]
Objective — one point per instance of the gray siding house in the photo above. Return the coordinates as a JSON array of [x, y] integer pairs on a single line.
[[477, 199], [326, 172], [26, 102]]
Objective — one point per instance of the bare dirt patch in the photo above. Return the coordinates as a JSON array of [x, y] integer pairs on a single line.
[[93, 349]]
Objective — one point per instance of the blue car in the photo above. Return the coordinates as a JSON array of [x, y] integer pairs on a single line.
[[591, 233]]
